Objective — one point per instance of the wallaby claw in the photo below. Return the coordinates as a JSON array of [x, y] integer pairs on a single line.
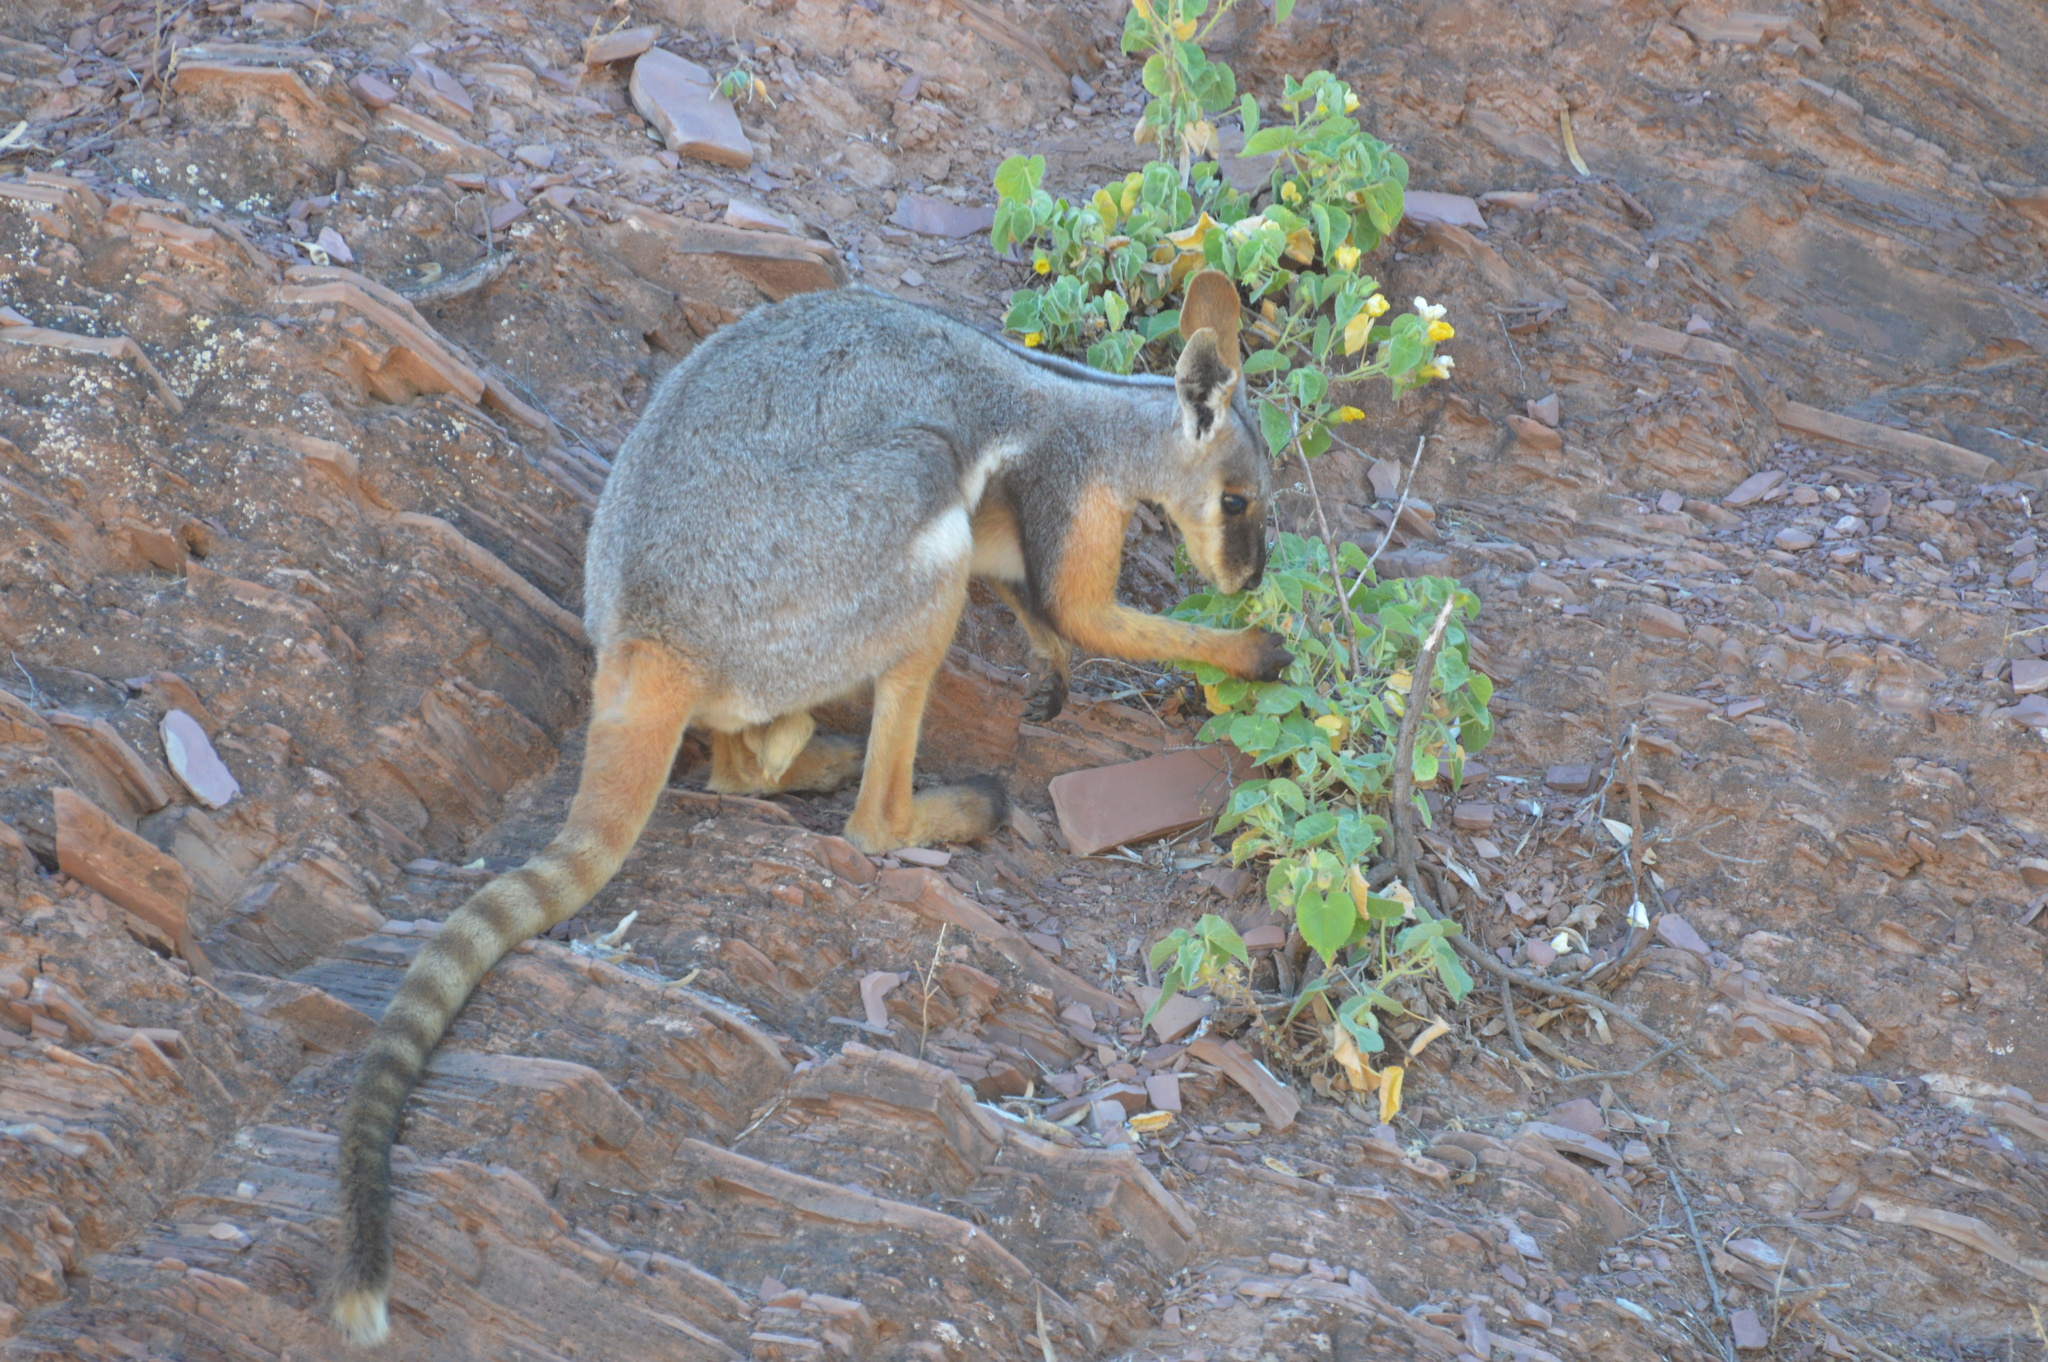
[[1270, 656], [1047, 699]]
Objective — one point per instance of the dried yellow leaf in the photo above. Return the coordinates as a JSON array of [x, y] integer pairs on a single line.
[[1150, 1122], [1345, 1051], [1390, 1093], [1190, 238], [1571, 150], [1354, 880], [1437, 1028]]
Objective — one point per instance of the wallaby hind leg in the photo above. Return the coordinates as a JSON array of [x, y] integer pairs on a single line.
[[641, 698], [827, 762], [1049, 697], [887, 814]]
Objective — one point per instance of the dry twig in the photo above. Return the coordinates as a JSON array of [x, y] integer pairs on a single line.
[[1700, 1247]]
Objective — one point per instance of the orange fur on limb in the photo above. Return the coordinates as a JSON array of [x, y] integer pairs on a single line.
[[1085, 608]]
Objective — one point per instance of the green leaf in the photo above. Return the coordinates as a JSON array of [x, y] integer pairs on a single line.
[[1248, 113], [1384, 910], [1267, 140], [1308, 385], [1281, 9], [1137, 32], [1159, 324], [1358, 1019], [1280, 887], [1451, 971], [1223, 937], [1274, 425], [1325, 921], [1264, 362], [1115, 309], [1279, 699], [1026, 313], [1019, 176], [1168, 945], [1255, 734], [1154, 76], [1313, 828], [1288, 793]]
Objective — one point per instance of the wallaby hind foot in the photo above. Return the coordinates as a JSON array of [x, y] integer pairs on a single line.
[[828, 762], [1047, 698]]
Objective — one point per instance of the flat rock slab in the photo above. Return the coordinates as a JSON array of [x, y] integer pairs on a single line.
[[1422, 207], [194, 762], [930, 216], [1137, 800], [1275, 1098], [95, 850], [677, 97]]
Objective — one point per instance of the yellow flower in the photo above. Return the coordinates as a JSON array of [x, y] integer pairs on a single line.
[[1033, 337], [1440, 331], [1427, 310], [1184, 30], [1041, 265], [1345, 414], [1377, 305], [1144, 9], [1347, 257], [1350, 103], [1291, 192], [1440, 367]]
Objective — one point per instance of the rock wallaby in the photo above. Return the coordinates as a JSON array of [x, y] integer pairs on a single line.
[[795, 518]]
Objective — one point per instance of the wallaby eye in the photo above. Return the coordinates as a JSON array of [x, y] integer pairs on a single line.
[[1233, 504]]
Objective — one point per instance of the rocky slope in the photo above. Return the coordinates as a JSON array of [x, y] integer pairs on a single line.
[[311, 358]]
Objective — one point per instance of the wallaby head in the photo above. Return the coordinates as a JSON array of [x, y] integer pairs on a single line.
[[1218, 484]]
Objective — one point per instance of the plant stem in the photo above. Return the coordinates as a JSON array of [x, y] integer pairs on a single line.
[[1400, 505], [1330, 546], [1404, 746]]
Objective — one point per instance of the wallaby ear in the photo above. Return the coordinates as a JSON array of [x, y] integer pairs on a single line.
[[1212, 303], [1205, 384]]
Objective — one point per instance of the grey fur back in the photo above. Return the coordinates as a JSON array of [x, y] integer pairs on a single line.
[[761, 517]]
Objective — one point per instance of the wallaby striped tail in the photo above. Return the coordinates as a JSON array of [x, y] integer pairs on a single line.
[[641, 698]]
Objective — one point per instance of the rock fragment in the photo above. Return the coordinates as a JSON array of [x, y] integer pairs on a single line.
[[1137, 800], [678, 98], [928, 215], [194, 762]]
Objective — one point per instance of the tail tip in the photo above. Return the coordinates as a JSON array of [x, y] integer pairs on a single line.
[[362, 1317], [966, 812]]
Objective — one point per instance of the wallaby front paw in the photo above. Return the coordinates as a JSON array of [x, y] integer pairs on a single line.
[[1044, 703], [1264, 656]]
